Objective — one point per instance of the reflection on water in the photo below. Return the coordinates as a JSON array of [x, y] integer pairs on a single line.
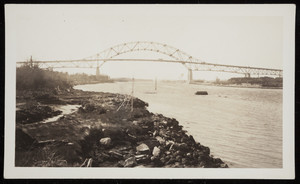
[[242, 126]]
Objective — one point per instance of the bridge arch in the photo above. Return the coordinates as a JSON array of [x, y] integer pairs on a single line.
[[127, 47]]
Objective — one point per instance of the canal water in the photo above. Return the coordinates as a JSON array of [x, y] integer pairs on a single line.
[[242, 126]]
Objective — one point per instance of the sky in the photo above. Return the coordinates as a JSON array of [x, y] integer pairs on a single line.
[[49, 32]]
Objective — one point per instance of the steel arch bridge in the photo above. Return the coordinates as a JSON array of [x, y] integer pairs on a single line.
[[175, 55]]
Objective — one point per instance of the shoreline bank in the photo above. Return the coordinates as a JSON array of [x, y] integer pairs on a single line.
[[105, 132]]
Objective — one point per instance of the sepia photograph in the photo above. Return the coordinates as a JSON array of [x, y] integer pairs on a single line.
[[149, 91]]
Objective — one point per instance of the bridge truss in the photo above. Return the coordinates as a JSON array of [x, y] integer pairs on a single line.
[[176, 56]]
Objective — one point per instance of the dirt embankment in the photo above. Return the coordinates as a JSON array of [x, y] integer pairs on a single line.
[[104, 132]]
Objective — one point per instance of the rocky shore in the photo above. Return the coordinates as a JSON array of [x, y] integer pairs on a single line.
[[107, 130]]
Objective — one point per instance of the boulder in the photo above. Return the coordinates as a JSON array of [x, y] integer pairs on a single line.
[[105, 141], [142, 148], [137, 103], [156, 151], [201, 93], [130, 162]]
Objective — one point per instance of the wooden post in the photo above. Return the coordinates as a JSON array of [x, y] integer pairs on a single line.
[[155, 84], [132, 91], [31, 62]]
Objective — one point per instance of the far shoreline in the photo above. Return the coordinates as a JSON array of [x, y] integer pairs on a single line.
[[181, 81]]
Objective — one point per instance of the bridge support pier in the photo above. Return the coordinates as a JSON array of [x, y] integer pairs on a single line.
[[97, 71], [247, 75], [190, 76]]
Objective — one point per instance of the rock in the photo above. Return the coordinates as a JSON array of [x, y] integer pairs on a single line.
[[172, 146], [177, 164], [192, 139], [156, 151], [168, 157], [142, 148], [23, 140], [201, 93], [177, 153], [89, 107], [155, 133], [121, 163], [184, 161], [184, 139], [183, 146], [141, 158], [116, 154], [178, 158], [171, 161], [169, 143], [162, 160], [167, 152], [137, 103], [224, 165], [172, 123], [135, 122], [130, 162], [151, 142], [160, 140], [105, 141], [145, 127]]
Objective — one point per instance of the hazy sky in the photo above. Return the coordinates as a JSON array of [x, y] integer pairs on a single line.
[[73, 32]]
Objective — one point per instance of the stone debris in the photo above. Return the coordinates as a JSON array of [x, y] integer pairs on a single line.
[[122, 138], [105, 141]]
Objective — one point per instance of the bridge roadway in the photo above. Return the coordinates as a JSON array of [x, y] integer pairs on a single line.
[[190, 65]]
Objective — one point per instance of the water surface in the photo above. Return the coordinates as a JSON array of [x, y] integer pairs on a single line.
[[242, 126]]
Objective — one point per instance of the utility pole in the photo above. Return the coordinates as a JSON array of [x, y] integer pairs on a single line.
[[31, 62], [155, 84]]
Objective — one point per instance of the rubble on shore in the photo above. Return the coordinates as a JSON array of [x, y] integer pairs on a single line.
[[107, 132]]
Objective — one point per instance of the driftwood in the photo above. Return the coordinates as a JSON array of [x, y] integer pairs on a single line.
[[87, 163], [84, 163]]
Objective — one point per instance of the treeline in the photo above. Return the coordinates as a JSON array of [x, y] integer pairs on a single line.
[[262, 81], [32, 77], [87, 79]]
